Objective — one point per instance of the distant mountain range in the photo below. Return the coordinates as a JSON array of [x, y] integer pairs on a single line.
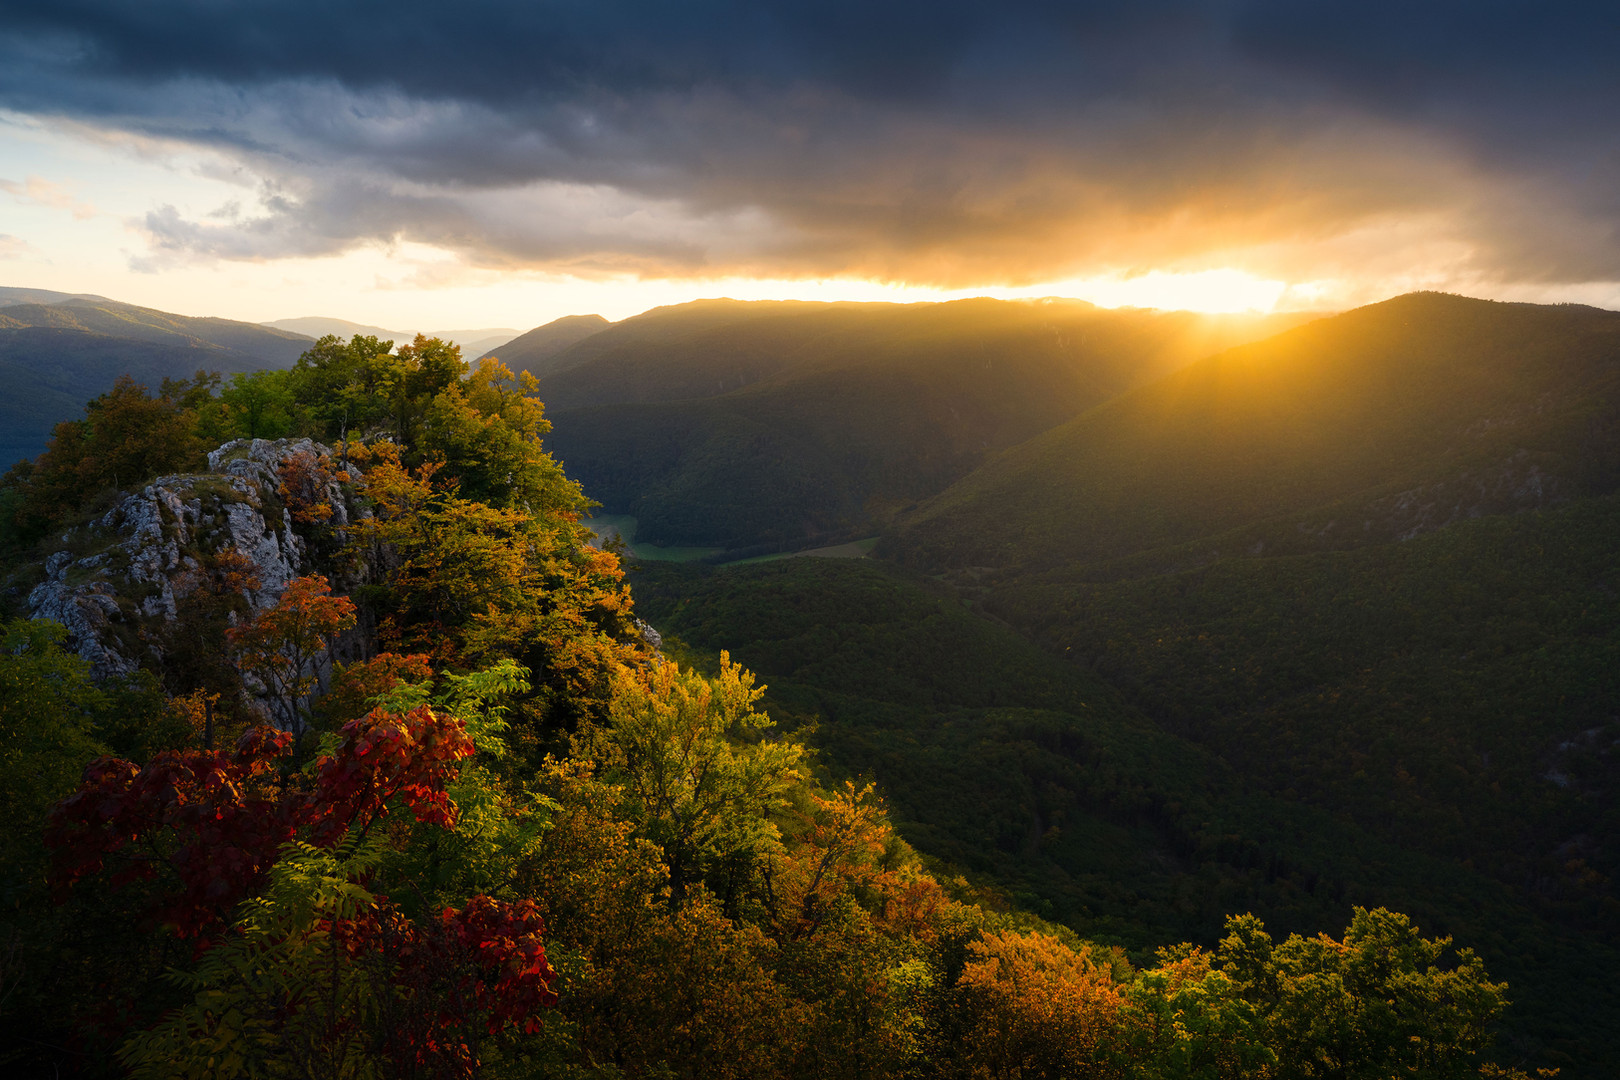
[[474, 343], [59, 350], [769, 424], [1378, 424]]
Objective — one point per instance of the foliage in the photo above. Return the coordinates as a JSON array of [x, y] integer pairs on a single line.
[[256, 405], [325, 979], [48, 709], [695, 777], [209, 824], [126, 437], [283, 647], [1375, 1004], [1036, 1009], [475, 582]]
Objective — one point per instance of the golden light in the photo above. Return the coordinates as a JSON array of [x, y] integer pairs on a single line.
[[1212, 291]]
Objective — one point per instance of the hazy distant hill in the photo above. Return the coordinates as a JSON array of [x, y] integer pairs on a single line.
[[534, 352], [743, 424], [1377, 423], [245, 341], [11, 295], [55, 356], [474, 343], [49, 374]]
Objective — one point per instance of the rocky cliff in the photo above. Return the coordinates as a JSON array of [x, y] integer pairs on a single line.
[[123, 572]]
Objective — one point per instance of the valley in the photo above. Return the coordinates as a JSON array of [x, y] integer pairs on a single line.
[[1135, 621]]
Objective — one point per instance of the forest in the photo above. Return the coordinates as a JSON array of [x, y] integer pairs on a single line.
[[365, 763]]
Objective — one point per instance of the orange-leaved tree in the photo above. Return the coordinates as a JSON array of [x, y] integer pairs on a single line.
[[1038, 1009], [472, 583], [284, 648]]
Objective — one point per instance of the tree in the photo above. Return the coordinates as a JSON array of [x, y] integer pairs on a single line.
[[348, 387], [283, 648], [1187, 1021], [475, 582], [1379, 1003], [319, 975], [1039, 1009], [693, 781], [325, 979], [48, 706], [127, 436], [256, 405], [487, 430]]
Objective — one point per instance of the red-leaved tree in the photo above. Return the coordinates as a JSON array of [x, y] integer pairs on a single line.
[[205, 831], [209, 824]]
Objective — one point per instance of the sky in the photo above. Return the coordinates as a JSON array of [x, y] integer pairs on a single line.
[[504, 162]]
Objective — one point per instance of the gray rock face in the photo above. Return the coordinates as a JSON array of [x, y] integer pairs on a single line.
[[150, 541], [649, 635]]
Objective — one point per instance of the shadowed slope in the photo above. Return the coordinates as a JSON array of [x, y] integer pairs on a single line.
[[535, 351], [1508, 401], [732, 424]]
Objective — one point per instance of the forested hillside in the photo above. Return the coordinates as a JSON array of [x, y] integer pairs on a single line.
[[359, 762], [1370, 564], [772, 425], [1367, 427], [59, 351], [1417, 726]]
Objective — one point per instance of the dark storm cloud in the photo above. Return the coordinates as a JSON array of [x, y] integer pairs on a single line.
[[929, 141]]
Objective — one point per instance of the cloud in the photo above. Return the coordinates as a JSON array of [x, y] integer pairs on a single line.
[[944, 143], [12, 247], [43, 192]]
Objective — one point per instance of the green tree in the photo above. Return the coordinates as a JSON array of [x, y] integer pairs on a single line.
[[260, 405], [487, 431], [48, 707], [698, 779], [1378, 1003], [349, 387]]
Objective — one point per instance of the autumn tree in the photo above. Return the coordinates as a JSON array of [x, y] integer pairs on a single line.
[[855, 920], [127, 436], [487, 431], [284, 647], [319, 974], [697, 776], [475, 582], [1037, 1009], [1186, 1018]]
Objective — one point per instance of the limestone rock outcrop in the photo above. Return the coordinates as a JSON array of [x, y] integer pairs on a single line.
[[138, 559]]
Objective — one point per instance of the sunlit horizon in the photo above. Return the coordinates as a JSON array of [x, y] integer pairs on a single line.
[[80, 206]]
